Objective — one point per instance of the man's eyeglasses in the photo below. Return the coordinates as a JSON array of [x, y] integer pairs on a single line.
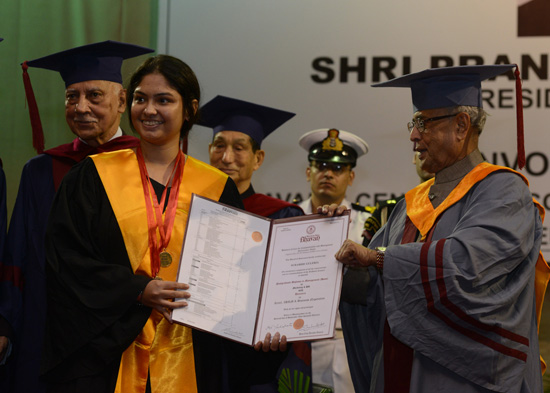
[[334, 167], [420, 123]]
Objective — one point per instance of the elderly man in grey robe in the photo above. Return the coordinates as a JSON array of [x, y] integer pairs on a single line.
[[451, 303]]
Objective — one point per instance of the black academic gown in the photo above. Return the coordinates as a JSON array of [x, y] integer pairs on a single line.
[[83, 345], [84, 240], [23, 292]]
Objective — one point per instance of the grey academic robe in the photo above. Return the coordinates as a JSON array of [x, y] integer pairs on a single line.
[[464, 301]]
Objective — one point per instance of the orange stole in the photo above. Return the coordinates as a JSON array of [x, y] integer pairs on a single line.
[[423, 216], [162, 350]]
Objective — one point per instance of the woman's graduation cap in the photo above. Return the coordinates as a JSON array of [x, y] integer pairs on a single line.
[[230, 114], [455, 86], [97, 61]]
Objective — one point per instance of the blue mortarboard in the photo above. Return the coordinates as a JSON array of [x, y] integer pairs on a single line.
[[455, 86], [98, 61], [230, 114], [446, 87]]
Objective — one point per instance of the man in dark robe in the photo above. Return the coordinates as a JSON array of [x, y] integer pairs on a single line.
[[94, 103], [239, 129]]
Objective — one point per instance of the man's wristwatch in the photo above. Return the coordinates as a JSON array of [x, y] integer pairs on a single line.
[[380, 253]]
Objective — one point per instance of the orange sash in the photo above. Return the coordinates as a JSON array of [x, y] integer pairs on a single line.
[[423, 216], [162, 350]]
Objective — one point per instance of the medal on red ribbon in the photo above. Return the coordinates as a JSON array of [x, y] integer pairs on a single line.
[[155, 221]]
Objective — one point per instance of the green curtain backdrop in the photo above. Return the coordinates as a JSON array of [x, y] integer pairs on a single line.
[[36, 28]]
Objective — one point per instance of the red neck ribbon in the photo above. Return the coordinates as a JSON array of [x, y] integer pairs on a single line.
[[154, 208]]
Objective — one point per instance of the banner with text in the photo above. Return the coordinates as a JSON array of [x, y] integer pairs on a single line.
[[319, 58]]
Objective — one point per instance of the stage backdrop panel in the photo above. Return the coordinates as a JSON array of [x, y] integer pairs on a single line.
[[319, 58]]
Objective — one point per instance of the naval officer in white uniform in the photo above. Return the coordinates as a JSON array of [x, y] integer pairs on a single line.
[[332, 155]]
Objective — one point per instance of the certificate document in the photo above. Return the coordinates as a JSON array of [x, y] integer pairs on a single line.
[[250, 275]]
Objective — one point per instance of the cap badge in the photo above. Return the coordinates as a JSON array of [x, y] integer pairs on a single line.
[[332, 142]]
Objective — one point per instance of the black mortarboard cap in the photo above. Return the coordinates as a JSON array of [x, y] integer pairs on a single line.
[[230, 114], [456, 86], [97, 61], [446, 87]]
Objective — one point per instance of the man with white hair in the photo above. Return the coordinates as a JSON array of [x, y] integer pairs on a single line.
[[94, 103], [456, 274]]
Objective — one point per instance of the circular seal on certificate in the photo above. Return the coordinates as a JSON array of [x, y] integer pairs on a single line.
[[257, 236], [298, 324]]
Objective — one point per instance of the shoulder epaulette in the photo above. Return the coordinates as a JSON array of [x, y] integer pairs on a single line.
[[389, 202], [361, 208]]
